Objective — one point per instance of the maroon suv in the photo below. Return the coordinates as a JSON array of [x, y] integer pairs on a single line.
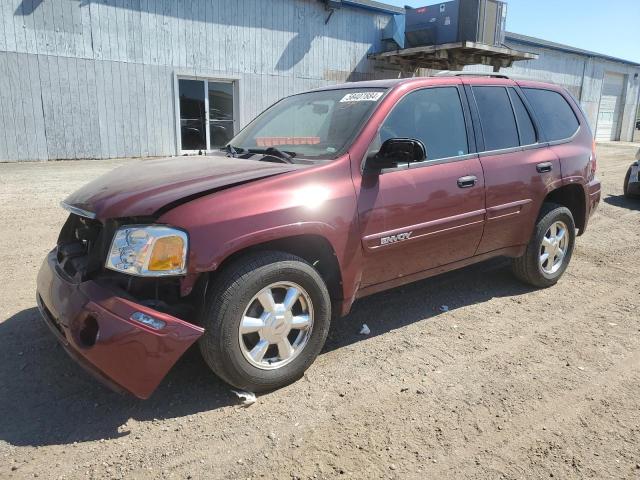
[[326, 197]]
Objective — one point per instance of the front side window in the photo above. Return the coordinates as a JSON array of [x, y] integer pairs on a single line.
[[553, 112], [433, 116], [316, 125], [496, 116]]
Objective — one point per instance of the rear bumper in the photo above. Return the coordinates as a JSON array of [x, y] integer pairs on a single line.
[[95, 328], [593, 193], [595, 190]]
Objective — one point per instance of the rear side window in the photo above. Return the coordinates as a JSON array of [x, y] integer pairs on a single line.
[[525, 125], [433, 116], [496, 116], [553, 112]]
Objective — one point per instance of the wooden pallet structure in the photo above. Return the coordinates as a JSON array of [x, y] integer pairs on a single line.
[[451, 56]]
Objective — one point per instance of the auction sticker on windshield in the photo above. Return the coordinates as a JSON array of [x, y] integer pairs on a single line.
[[362, 97]]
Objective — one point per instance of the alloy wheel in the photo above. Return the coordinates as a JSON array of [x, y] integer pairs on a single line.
[[554, 247], [276, 325]]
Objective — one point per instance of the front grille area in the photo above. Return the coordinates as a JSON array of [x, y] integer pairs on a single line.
[[80, 248]]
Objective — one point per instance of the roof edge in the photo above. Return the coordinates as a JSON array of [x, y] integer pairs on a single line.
[[538, 42], [375, 6]]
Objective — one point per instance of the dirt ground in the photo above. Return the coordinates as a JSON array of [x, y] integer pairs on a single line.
[[511, 382]]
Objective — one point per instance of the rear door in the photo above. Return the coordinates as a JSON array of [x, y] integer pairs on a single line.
[[424, 215], [569, 138], [519, 167]]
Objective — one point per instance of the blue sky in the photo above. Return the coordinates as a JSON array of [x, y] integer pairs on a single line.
[[610, 27]]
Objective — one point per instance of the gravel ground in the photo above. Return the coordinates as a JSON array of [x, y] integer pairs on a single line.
[[511, 382]]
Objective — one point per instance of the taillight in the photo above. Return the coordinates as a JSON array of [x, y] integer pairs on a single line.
[[593, 164]]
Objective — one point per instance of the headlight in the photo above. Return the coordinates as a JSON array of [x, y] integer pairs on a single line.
[[148, 251]]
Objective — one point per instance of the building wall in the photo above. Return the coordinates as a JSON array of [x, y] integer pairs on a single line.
[[95, 78]]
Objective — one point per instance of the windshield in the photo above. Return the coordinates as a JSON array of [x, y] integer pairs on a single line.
[[316, 125]]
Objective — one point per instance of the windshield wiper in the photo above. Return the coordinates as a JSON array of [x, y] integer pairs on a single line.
[[275, 152], [234, 151]]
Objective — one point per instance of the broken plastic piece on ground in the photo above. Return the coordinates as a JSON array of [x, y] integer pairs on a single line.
[[246, 398], [365, 329], [444, 308]]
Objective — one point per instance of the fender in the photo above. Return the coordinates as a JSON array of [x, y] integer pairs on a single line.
[[549, 188], [243, 242], [270, 234], [317, 201]]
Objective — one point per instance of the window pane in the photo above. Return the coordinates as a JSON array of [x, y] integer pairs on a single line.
[[432, 115], [554, 113], [220, 113], [525, 125], [496, 115], [192, 115]]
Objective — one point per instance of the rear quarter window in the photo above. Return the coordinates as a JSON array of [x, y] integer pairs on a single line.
[[556, 117]]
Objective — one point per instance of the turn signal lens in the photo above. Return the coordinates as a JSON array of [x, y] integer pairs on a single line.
[[167, 254], [148, 320]]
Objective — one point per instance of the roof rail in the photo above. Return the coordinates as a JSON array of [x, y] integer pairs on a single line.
[[460, 73], [515, 77]]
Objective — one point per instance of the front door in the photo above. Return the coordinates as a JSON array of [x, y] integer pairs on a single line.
[[428, 214]]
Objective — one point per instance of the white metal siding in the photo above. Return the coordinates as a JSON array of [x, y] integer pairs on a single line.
[[610, 110], [94, 79]]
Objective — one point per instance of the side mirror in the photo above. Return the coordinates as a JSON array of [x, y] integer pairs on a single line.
[[396, 151]]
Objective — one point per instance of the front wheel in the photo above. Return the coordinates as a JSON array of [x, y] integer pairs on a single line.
[[550, 248], [266, 321]]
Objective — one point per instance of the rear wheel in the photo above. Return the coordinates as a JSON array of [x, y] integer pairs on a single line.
[[550, 248], [267, 319]]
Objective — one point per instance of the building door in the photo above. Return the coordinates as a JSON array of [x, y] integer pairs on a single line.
[[611, 107], [207, 114]]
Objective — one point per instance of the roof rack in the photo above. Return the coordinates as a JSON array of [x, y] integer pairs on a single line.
[[516, 77], [459, 73]]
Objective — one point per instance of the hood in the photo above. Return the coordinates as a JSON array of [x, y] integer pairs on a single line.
[[143, 187]]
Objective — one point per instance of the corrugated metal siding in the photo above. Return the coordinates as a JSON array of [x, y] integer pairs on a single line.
[[94, 79]]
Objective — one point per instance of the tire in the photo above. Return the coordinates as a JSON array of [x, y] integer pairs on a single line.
[[625, 189], [234, 293], [528, 267]]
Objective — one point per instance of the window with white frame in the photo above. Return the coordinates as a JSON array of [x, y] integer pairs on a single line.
[[206, 112]]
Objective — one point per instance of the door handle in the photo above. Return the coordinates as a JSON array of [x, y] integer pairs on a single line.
[[468, 181], [544, 167]]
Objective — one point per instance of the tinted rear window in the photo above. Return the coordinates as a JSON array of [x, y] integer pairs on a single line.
[[496, 115], [555, 115], [525, 125]]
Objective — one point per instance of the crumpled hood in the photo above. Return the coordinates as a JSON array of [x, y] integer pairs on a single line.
[[141, 188]]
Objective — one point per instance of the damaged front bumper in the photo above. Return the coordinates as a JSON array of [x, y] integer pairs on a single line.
[[96, 328]]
